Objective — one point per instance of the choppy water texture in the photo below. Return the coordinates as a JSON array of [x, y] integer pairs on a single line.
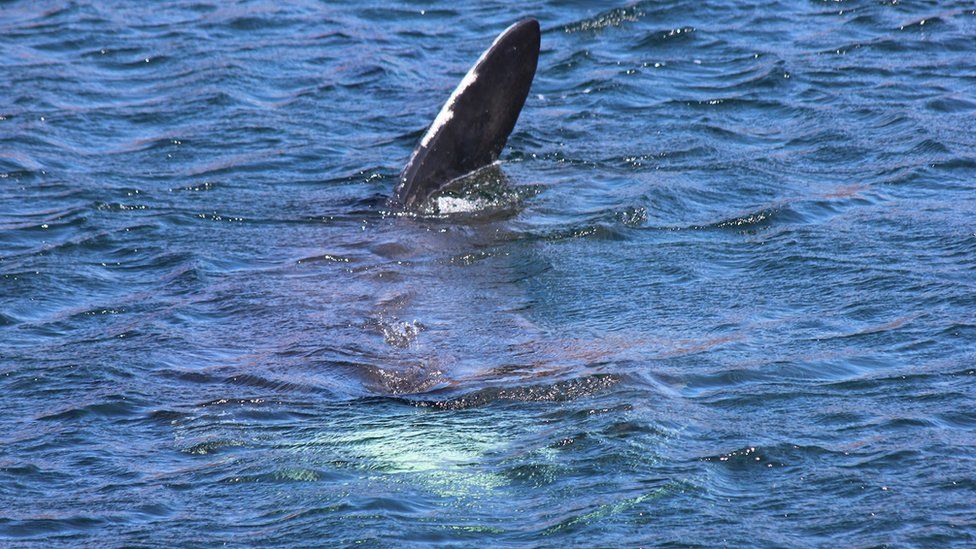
[[721, 289]]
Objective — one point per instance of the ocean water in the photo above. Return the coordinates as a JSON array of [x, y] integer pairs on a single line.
[[721, 288]]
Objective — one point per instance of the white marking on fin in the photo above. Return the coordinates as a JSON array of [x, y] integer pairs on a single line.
[[447, 111]]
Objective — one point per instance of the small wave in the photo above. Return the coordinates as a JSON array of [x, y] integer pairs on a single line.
[[750, 220], [765, 76], [109, 406], [566, 65], [610, 18], [261, 382], [665, 37], [871, 330], [729, 102], [283, 476], [324, 258], [557, 392], [925, 24], [952, 104], [407, 378], [52, 523], [594, 231], [17, 164], [212, 446], [776, 455]]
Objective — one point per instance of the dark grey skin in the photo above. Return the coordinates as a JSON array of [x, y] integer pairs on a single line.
[[473, 126]]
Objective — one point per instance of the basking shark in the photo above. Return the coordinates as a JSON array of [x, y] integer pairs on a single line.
[[473, 125]]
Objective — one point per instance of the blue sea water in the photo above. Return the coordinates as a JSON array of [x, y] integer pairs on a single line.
[[721, 289]]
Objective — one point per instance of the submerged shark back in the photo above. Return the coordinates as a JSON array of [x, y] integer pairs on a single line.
[[473, 126]]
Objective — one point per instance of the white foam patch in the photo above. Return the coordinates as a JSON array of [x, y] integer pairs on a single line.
[[401, 334], [452, 205]]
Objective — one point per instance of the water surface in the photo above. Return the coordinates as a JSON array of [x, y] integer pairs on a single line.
[[720, 290]]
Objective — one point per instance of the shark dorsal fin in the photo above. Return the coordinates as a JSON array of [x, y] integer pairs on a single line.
[[473, 125]]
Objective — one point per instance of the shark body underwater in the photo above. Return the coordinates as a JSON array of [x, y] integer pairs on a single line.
[[472, 127]]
